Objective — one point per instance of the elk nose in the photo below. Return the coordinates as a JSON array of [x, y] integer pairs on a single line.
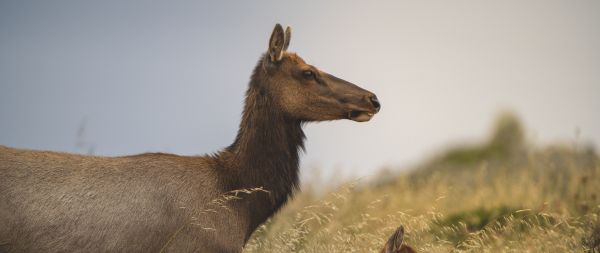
[[375, 102]]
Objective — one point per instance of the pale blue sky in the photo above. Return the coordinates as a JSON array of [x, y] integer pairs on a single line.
[[170, 76]]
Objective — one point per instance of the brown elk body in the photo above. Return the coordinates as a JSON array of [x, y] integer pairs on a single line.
[[59, 202]]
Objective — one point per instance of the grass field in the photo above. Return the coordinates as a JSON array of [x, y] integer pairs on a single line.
[[504, 195]]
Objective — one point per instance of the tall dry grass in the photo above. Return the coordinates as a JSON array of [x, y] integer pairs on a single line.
[[501, 196]]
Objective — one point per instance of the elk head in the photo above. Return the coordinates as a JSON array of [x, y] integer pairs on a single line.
[[304, 92]]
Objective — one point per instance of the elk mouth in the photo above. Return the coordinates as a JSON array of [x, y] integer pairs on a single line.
[[360, 116]]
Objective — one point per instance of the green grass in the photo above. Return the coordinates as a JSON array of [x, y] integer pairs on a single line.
[[500, 196]]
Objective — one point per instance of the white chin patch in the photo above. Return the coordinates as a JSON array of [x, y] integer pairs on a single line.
[[362, 117]]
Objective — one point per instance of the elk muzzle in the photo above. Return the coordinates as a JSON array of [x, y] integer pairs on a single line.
[[364, 109], [360, 105]]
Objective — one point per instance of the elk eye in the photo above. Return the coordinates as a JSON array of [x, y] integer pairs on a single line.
[[308, 74]]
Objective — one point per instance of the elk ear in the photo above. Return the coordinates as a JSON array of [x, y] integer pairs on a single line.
[[395, 242], [276, 44], [288, 37]]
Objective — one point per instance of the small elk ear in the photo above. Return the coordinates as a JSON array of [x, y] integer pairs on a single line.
[[288, 37], [394, 244], [277, 44]]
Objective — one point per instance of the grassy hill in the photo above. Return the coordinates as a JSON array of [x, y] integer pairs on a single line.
[[500, 196]]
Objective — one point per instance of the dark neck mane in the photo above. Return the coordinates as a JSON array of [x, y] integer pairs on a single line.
[[266, 149]]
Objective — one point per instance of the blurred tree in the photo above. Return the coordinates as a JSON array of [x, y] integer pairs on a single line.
[[505, 143], [508, 136]]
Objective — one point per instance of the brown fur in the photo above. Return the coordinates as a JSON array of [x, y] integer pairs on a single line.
[[59, 202], [395, 243]]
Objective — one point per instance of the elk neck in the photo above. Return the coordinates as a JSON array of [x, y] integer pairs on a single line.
[[266, 149]]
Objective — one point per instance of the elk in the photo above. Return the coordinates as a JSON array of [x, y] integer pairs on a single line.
[[395, 244], [156, 202]]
